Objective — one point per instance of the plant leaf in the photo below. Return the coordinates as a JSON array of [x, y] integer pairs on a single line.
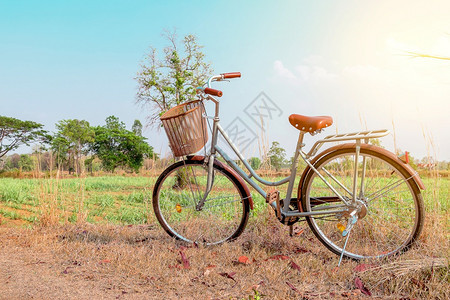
[[360, 285], [228, 275], [292, 287], [244, 260], [184, 260], [295, 266], [278, 257], [363, 267], [301, 249]]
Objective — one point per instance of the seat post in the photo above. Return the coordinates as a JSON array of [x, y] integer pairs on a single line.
[[299, 147]]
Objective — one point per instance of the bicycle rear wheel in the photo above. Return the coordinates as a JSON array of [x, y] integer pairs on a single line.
[[390, 206], [179, 189]]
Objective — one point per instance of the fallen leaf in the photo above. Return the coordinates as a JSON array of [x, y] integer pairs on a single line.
[[292, 287], [175, 267], [184, 260], [295, 266], [360, 285], [363, 267], [256, 286], [278, 257], [105, 261], [299, 232], [301, 250], [244, 260], [208, 270], [228, 275]]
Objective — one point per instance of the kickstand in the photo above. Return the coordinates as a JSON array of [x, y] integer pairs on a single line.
[[346, 233], [291, 230], [343, 249]]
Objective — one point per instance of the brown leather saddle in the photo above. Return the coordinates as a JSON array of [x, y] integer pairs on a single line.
[[310, 124]]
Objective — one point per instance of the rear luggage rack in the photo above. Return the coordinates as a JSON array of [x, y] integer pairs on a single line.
[[361, 135]]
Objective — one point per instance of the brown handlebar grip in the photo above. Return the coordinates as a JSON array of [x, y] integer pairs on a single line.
[[232, 75], [213, 92]]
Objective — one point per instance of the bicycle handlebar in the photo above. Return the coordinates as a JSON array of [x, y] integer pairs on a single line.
[[213, 92], [231, 75]]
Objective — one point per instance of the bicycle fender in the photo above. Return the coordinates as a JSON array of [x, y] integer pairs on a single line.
[[241, 181], [383, 151]]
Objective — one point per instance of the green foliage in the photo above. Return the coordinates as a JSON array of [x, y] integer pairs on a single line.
[[137, 128], [301, 164], [26, 163], [22, 162], [14, 133], [72, 141], [118, 147], [164, 83], [255, 163], [376, 142], [277, 156]]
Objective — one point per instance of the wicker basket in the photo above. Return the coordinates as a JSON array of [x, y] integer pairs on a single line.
[[186, 128]]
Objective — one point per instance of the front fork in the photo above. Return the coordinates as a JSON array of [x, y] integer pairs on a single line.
[[209, 183]]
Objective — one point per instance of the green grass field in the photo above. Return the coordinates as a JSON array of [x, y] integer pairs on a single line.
[[124, 200], [115, 199]]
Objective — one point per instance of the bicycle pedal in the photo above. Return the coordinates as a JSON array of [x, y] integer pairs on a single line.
[[274, 196]]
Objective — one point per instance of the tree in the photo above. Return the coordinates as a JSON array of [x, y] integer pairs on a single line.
[[165, 83], [376, 142], [137, 128], [26, 163], [116, 146], [277, 156], [255, 163], [21, 162], [14, 133], [72, 141], [301, 164]]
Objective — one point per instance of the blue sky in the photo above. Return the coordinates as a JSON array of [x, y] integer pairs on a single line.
[[77, 59]]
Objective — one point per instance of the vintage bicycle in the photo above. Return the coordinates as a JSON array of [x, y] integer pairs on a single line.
[[361, 201]]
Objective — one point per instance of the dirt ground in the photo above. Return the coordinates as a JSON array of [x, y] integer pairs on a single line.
[[142, 262]]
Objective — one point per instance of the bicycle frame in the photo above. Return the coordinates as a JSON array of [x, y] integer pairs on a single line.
[[358, 136]]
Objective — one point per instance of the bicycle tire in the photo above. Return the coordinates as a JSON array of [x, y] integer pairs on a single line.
[[374, 235], [183, 222]]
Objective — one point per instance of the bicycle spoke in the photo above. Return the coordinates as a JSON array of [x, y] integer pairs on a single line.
[[386, 215], [223, 215], [338, 182], [398, 182]]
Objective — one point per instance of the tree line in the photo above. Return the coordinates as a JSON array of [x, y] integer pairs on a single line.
[[76, 144]]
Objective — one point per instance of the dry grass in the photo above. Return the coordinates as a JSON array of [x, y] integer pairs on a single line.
[[141, 262], [60, 260]]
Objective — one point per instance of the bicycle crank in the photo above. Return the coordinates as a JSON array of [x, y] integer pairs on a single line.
[[273, 196]]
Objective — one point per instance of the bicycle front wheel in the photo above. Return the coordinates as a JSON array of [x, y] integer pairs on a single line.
[[390, 207], [182, 186]]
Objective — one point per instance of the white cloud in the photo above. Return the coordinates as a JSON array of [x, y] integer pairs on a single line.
[[281, 71], [412, 93], [314, 73]]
